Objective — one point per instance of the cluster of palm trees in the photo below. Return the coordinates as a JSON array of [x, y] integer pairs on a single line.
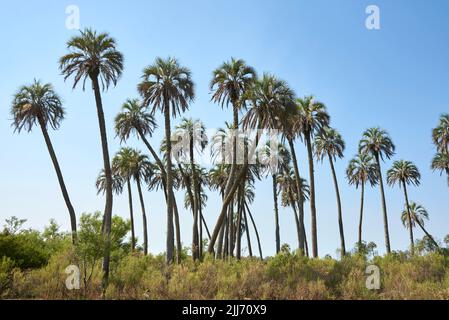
[[265, 102]]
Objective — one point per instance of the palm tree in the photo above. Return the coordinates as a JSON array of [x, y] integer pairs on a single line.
[[95, 56], [330, 143], [312, 117], [167, 86], [441, 163], [193, 132], [122, 167], [362, 169], [290, 197], [405, 173], [230, 82], [377, 143], [440, 135], [268, 99], [418, 214], [39, 104], [276, 160]]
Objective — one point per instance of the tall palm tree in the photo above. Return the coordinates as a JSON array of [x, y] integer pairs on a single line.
[[167, 86], [441, 163], [267, 101], [330, 143], [229, 83], [95, 56], [193, 132], [290, 196], [362, 169], [277, 160], [440, 135], [418, 214], [122, 165], [377, 143], [405, 173], [39, 104], [312, 117]]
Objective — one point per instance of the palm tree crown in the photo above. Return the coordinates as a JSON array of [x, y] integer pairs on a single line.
[[134, 119], [36, 103], [230, 81], [417, 214], [92, 55], [403, 172], [441, 163], [312, 116], [329, 143], [440, 135], [362, 169], [166, 84], [376, 141]]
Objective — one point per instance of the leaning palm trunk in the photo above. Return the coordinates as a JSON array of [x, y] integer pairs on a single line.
[[301, 235], [362, 198], [255, 229], [248, 237], [427, 233], [170, 230], [384, 205], [409, 218], [239, 223], [276, 215], [164, 183], [312, 197], [340, 215], [297, 222], [131, 215], [107, 219], [65, 194], [144, 219]]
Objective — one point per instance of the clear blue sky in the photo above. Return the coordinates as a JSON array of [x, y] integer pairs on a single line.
[[396, 78]]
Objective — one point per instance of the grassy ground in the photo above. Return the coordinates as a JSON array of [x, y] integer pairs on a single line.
[[286, 276]]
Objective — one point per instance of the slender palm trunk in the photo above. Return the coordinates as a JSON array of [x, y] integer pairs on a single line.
[[164, 183], [276, 215], [239, 223], [409, 218], [65, 194], [170, 229], [340, 215], [297, 221], [384, 205], [107, 219], [144, 218], [362, 200], [195, 235], [255, 229], [131, 215], [312, 196], [427, 233], [220, 253], [248, 237], [298, 187]]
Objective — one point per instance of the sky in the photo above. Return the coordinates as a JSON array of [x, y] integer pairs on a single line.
[[395, 77]]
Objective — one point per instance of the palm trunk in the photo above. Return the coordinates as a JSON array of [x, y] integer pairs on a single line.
[[427, 234], [362, 198], [164, 183], [220, 253], [248, 238], [340, 215], [65, 194], [297, 222], [384, 205], [107, 219], [255, 229], [239, 223], [312, 197], [409, 218], [170, 229], [144, 219], [195, 235], [229, 196], [131, 215], [298, 187], [276, 215]]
